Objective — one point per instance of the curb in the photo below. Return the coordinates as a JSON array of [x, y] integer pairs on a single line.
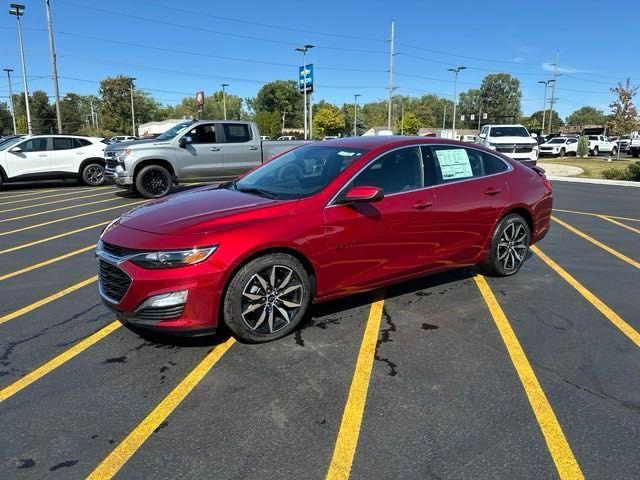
[[597, 181]]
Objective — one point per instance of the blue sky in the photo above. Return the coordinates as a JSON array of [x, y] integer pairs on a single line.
[[257, 38]]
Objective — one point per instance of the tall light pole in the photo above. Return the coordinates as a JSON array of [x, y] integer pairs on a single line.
[[13, 111], [304, 49], [553, 90], [455, 96], [224, 99], [18, 10], [133, 111], [544, 103], [355, 114], [54, 68], [391, 88]]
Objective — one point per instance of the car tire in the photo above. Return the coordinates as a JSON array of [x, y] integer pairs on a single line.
[[92, 174], [267, 298], [509, 247], [153, 181], [595, 151], [614, 151], [563, 152]]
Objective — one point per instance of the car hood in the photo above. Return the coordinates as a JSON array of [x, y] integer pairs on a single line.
[[512, 140], [553, 145], [203, 210], [129, 144]]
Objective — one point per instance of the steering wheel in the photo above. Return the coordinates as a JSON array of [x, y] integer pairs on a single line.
[[290, 172]]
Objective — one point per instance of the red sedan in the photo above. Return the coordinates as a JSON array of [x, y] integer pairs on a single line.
[[322, 221]]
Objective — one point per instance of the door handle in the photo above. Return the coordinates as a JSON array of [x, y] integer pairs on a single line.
[[214, 149], [253, 148], [42, 155], [492, 191], [421, 204]]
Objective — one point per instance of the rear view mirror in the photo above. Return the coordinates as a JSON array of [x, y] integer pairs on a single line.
[[362, 194], [15, 150]]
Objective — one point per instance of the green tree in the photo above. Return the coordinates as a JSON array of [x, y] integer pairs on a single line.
[[374, 114], [500, 97], [327, 120], [469, 103], [72, 112], [6, 122], [583, 146], [116, 105], [409, 124], [624, 118], [269, 123], [43, 116], [281, 96], [587, 116], [534, 122]]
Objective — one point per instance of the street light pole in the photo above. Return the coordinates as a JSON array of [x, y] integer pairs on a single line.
[[304, 49], [455, 96], [54, 68], [544, 104], [133, 111], [13, 112], [553, 90], [18, 10], [355, 114], [224, 100]]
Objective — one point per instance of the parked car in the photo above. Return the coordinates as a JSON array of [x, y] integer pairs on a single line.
[[623, 143], [203, 150], [122, 138], [10, 140], [560, 146], [512, 140], [601, 144], [468, 138], [47, 157], [322, 221], [634, 146], [286, 138]]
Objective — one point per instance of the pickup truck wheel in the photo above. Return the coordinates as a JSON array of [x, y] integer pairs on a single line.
[[93, 174], [595, 151], [614, 151], [153, 181]]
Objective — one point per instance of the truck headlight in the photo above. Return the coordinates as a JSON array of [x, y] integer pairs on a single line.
[[173, 258]]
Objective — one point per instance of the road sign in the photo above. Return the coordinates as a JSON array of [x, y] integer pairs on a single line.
[[308, 72], [199, 101]]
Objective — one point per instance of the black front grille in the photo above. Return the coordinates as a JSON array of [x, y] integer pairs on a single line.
[[514, 148], [118, 251], [160, 313], [114, 283], [112, 162]]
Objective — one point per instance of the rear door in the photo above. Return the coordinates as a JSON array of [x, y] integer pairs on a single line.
[[32, 159], [203, 156], [471, 193], [241, 150], [67, 153]]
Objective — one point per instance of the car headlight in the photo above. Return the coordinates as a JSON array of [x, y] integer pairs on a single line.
[[173, 258], [493, 146]]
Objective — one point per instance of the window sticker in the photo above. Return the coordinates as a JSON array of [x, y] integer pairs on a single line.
[[454, 163]]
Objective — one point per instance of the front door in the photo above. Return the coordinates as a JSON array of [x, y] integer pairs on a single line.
[[202, 157], [32, 160], [241, 152]]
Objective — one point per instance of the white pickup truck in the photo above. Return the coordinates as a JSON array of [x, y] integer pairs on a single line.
[[202, 150], [634, 146], [601, 144]]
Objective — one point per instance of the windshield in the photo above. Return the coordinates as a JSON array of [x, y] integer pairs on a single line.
[[509, 132], [173, 131], [299, 173], [9, 142], [557, 140]]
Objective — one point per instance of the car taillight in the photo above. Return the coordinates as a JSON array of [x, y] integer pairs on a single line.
[[540, 171]]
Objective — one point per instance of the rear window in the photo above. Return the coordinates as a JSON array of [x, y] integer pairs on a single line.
[[63, 143], [509, 132], [236, 132], [80, 142]]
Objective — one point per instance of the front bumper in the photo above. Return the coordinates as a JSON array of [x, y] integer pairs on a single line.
[[118, 176]]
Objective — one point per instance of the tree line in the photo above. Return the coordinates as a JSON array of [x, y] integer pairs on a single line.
[[278, 106]]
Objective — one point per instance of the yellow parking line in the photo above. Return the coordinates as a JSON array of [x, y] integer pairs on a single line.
[[559, 448], [85, 204], [57, 361], [53, 237], [64, 219], [128, 447], [25, 207], [46, 262], [53, 196], [46, 300], [597, 215], [597, 243], [9, 194], [612, 316], [620, 224], [347, 441]]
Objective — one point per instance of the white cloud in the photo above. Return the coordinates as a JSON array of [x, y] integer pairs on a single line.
[[518, 59], [549, 68]]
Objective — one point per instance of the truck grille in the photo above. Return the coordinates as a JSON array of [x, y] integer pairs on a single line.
[[111, 162], [514, 148], [114, 282]]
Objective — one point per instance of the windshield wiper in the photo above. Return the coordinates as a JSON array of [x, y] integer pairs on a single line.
[[257, 191]]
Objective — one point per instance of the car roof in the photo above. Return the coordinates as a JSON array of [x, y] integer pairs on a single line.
[[390, 141]]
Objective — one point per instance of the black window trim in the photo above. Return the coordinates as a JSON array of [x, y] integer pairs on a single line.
[[25, 140], [419, 145]]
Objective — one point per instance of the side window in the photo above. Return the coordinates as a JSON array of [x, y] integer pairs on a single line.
[[452, 163], [397, 171], [572, 140], [34, 145], [61, 143], [492, 164], [203, 134], [236, 132], [80, 142]]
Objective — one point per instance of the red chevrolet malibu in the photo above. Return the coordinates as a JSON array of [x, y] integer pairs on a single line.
[[322, 221]]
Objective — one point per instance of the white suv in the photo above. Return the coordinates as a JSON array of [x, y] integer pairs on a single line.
[[514, 141], [48, 157]]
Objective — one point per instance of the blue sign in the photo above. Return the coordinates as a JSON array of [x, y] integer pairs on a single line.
[[305, 73]]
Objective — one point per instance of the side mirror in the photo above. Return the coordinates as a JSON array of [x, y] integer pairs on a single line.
[[184, 141], [482, 136], [362, 194], [15, 150]]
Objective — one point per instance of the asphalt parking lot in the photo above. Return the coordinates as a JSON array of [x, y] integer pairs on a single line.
[[452, 376]]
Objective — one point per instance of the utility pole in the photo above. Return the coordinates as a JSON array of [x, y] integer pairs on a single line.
[[224, 100], [544, 104], [444, 115], [133, 111], [54, 68], [479, 117], [93, 121], [311, 116], [304, 49], [284, 116], [355, 114], [553, 90], [455, 97], [390, 87], [13, 112], [18, 10], [402, 119]]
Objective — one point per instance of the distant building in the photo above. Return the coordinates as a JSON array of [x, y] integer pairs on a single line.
[[446, 133], [156, 128]]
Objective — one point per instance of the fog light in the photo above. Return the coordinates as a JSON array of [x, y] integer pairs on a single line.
[[166, 300]]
